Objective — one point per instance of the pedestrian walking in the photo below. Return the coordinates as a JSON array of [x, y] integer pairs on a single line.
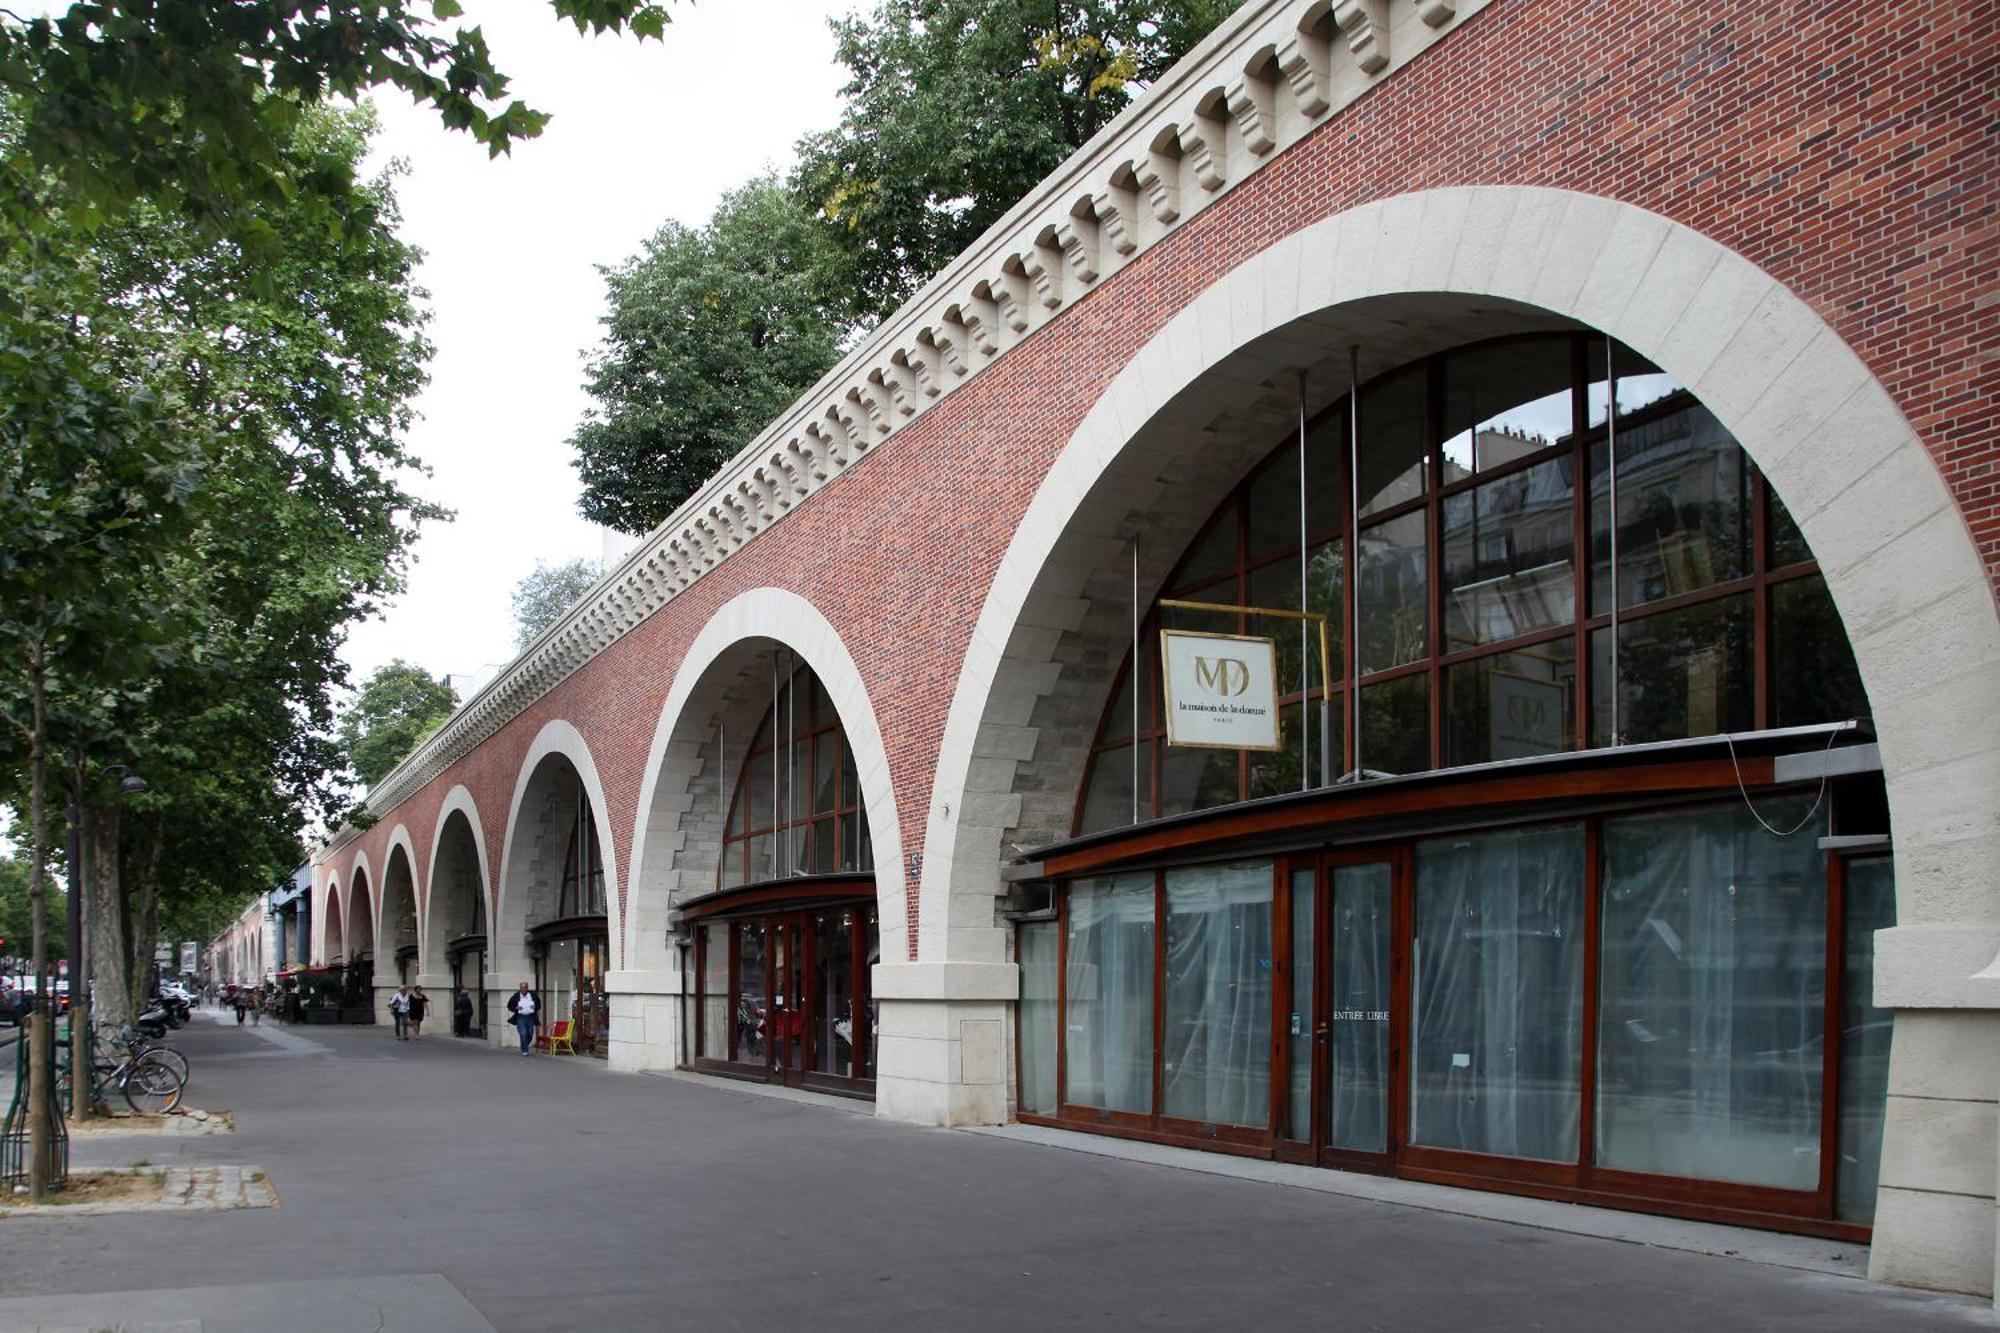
[[242, 1006], [257, 1010], [419, 1002], [522, 1007], [461, 1014], [399, 1011]]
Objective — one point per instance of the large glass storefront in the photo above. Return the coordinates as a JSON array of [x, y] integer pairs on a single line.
[[572, 953], [784, 948], [1668, 1007], [782, 996], [1522, 900]]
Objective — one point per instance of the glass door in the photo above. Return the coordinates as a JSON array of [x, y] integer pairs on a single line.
[[593, 1003], [1356, 910], [1338, 1017], [788, 1000]]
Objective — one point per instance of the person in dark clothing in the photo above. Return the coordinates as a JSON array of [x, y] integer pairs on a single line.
[[522, 1007], [461, 1014], [418, 1003]]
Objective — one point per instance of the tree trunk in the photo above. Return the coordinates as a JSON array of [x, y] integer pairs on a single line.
[[104, 913], [40, 1132], [82, 1105], [145, 914]]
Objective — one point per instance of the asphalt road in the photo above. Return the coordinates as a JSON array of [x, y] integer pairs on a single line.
[[556, 1195]]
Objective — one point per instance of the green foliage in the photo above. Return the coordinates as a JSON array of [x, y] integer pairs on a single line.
[[199, 107], [14, 924], [957, 108], [711, 332], [547, 591], [396, 708], [200, 486]]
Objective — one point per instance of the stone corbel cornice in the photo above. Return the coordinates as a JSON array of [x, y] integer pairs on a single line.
[[1267, 77]]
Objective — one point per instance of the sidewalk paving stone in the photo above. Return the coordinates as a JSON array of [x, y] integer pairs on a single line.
[[554, 1194]]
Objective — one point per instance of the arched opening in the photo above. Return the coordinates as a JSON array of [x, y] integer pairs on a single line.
[[455, 936], [360, 919], [358, 980], [399, 915], [331, 938], [784, 945], [766, 857], [1428, 819], [554, 917]]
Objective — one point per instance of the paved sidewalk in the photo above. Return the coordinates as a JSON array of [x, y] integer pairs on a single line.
[[420, 1304], [553, 1194]]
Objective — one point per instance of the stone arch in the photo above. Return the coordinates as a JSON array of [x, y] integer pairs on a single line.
[[557, 749], [458, 861], [1866, 494], [725, 679], [397, 899], [332, 923], [358, 911], [668, 834], [1897, 556]]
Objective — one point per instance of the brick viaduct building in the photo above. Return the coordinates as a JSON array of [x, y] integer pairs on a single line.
[[1760, 237]]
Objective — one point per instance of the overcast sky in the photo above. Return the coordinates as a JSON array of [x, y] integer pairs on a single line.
[[642, 132]]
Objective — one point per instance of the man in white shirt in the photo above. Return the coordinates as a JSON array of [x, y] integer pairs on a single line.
[[399, 1010], [522, 1006]]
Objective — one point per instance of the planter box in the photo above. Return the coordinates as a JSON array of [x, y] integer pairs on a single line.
[[360, 1014], [315, 1014]]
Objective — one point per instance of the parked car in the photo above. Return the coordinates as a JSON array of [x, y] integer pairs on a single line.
[[17, 998]]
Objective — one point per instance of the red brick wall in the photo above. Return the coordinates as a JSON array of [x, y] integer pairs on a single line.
[[1848, 150]]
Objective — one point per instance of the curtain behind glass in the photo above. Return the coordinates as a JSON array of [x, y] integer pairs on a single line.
[[1358, 1026], [1109, 993], [1037, 1017], [1498, 993], [715, 991], [1216, 1067], [1864, 1039], [1712, 1017]]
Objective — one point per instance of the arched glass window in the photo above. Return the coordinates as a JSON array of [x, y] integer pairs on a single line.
[[582, 892], [1472, 618], [797, 805]]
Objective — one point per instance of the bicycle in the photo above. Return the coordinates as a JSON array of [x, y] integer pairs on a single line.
[[138, 1043], [147, 1079]]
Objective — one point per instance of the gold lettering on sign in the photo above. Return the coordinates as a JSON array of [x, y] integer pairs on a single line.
[[1223, 677]]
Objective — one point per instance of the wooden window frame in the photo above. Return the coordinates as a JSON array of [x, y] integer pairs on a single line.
[[789, 912], [739, 834], [1812, 1212], [1349, 680]]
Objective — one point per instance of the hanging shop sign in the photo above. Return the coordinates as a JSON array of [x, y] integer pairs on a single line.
[[1221, 690]]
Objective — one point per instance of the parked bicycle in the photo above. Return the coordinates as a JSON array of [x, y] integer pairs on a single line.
[[149, 1078], [138, 1042]]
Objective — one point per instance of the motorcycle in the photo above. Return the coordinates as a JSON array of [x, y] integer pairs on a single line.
[[176, 1009], [154, 1022]]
